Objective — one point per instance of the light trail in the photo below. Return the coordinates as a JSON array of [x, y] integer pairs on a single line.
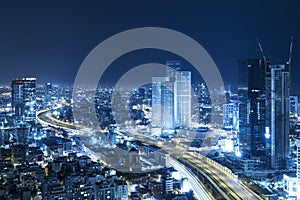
[[195, 183]]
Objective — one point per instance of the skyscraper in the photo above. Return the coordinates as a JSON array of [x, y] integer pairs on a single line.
[[182, 93], [293, 110], [156, 101], [277, 107], [171, 73], [168, 120], [162, 106], [251, 91], [48, 91], [24, 98], [298, 167], [183, 98], [231, 116], [171, 100]]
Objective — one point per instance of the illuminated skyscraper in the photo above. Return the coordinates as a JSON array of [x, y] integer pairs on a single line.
[[277, 107], [182, 101], [231, 116], [298, 167], [163, 106], [156, 101], [171, 100], [168, 121], [293, 110], [48, 91], [251, 90], [182, 93], [24, 98]]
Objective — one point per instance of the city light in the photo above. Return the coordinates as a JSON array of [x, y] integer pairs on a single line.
[[267, 134], [120, 101]]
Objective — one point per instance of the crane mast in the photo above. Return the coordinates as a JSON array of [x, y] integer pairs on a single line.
[[289, 62]]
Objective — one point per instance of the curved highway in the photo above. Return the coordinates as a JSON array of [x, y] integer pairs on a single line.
[[225, 180]]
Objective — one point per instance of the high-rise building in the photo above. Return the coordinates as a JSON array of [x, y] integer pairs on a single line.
[[251, 89], [48, 91], [257, 122], [181, 91], [183, 104], [24, 98], [231, 116], [294, 101], [168, 120], [171, 100], [298, 167], [48, 87], [277, 108], [157, 104], [163, 106]]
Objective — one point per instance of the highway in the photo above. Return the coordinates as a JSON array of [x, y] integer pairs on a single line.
[[222, 176], [199, 191], [233, 188]]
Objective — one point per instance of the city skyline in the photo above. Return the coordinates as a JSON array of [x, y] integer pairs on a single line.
[[54, 39], [150, 100]]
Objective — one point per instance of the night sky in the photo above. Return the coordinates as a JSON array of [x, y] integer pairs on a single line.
[[50, 40]]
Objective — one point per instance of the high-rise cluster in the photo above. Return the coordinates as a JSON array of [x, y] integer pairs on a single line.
[[263, 92], [171, 100]]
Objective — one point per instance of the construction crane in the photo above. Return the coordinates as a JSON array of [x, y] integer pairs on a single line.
[[289, 62], [264, 58], [261, 50]]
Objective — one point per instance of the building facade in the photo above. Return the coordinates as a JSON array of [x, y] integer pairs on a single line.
[[231, 116], [277, 107], [171, 100], [298, 167], [251, 92], [183, 104], [162, 106], [294, 102], [24, 98]]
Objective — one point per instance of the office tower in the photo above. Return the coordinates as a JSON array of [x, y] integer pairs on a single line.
[[162, 106], [257, 118], [168, 121], [182, 93], [294, 101], [157, 117], [182, 103], [244, 136], [24, 98], [231, 116], [48, 87], [251, 90], [171, 100], [48, 91], [298, 166], [277, 108]]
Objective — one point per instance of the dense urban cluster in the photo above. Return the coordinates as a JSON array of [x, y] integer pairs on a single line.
[[129, 152], [41, 161]]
